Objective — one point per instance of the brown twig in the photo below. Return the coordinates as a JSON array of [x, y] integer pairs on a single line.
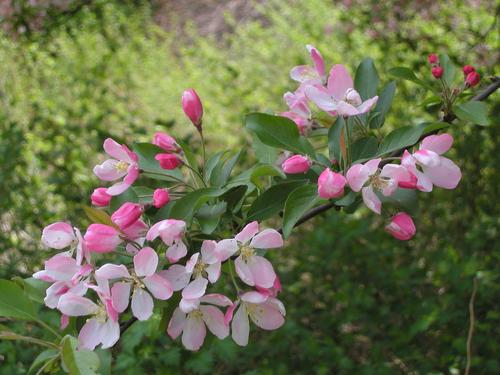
[[471, 326]]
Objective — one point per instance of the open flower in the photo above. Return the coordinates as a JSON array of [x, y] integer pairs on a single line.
[[170, 232], [299, 112], [252, 269], [122, 165], [58, 235], [143, 279], [265, 311], [192, 322], [306, 73], [339, 96]]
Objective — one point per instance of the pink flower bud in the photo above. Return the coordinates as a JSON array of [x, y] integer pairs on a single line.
[[126, 215], [437, 72], [468, 69], [432, 58], [58, 235], [101, 238], [401, 226], [166, 142], [160, 198], [331, 184], [296, 164], [192, 107], [100, 198], [168, 161], [472, 79]]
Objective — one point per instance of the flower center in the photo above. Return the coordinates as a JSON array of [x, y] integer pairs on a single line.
[[137, 282], [197, 314], [121, 166], [247, 252], [378, 182], [199, 269], [101, 315]]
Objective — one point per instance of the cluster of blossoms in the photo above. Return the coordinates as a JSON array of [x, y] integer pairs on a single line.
[[336, 96], [471, 77]]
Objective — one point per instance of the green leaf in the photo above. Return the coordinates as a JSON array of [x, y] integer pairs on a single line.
[[473, 111], [78, 361], [366, 79], [234, 197], [400, 138], [272, 200], [144, 194], [42, 358], [334, 135], [346, 200], [383, 105], [185, 207], [449, 69], [98, 216], [407, 74], [265, 171], [128, 195], [297, 204], [279, 132], [364, 148], [265, 154], [405, 199], [211, 163], [209, 216], [35, 289], [221, 173], [14, 303], [434, 126], [151, 167]]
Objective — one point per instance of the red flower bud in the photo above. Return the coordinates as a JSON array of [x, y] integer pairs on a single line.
[[192, 107], [168, 161], [160, 198], [468, 69], [472, 79], [437, 72], [100, 198], [432, 58]]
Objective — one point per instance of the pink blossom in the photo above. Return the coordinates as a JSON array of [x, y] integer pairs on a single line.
[[166, 142], [252, 269], [192, 107], [296, 164], [192, 322], [272, 291], [299, 112], [265, 311], [170, 231], [306, 73], [126, 215], [331, 184], [339, 96], [100, 198], [168, 161], [101, 238], [122, 165], [401, 226], [144, 279], [160, 198], [58, 235]]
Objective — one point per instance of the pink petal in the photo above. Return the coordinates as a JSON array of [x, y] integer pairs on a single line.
[[158, 286], [195, 289], [213, 272], [372, 166], [267, 239], [90, 335], [154, 231], [427, 158], [109, 171], [266, 316], [240, 326], [303, 73], [345, 109], [61, 267], [120, 294], [216, 299], [132, 175], [177, 276], [176, 323], [54, 292], [446, 175], [64, 321], [371, 200], [58, 235], [116, 150], [117, 188], [247, 233], [367, 105], [357, 177], [214, 319], [243, 271], [145, 262], [321, 97], [177, 251], [111, 334], [73, 305], [194, 332], [226, 248], [191, 263], [254, 297], [208, 252], [339, 81], [188, 305], [262, 271], [437, 143], [317, 59], [110, 271], [142, 304]]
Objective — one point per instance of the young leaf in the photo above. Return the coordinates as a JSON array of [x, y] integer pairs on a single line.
[[383, 105], [128, 195], [78, 361], [185, 207], [265, 154], [222, 171], [404, 199], [448, 68], [211, 163], [334, 139], [407, 74], [297, 204], [265, 171], [209, 216], [473, 111], [41, 359], [279, 132], [366, 79], [400, 138], [14, 303], [98, 216]]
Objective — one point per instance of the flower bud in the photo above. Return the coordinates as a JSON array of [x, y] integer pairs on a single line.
[[401, 226], [101, 238], [331, 184], [168, 161], [100, 198], [468, 69], [437, 72], [126, 215], [160, 198], [166, 142], [58, 235], [296, 164], [192, 107], [352, 97], [432, 58], [472, 79]]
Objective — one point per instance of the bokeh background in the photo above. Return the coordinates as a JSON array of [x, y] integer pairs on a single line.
[[73, 72]]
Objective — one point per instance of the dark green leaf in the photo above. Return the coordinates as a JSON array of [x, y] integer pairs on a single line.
[[434, 126], [364, 148], [128, 195], [35, 289], [234, 197], [400, 138], [346, 200], [383, 105], [473, 111], [366, 80], [209, 216], [449, 69], [14, 303], [297, 204], [41, 359], [211, 163], [334, 139], [265, 154], [221, 173], [404, 199], [78, 361], [407, 74], [186, 206], [265, 171]]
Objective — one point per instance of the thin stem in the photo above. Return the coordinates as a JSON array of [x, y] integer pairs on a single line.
[[231, 272], [196, 172], [204, 153], [49, 328], [348, 142], [320, 163], [471, 326], [172, 177], [49, 362]]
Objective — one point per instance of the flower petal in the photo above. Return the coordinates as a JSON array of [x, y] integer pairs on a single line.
[[226, 248], [267, 239], [357, 176], [111, 333], [339, 81], [176, 323], [177, 251], [58, 235], [177, 276], [142, 304], [266, 316], [73, 305], [437, 143], [240, 326], [195, 289], [371, 200], [110, 271], [145, 262], [246, 234], [214, 319], [213, 272], [446, 175], [90, 335], [262, 271], [367, 105], [216, 299], [120, 295], [115, 150], [194, 332], [158, 286], [321, 97], [243, 271], [109, 171]]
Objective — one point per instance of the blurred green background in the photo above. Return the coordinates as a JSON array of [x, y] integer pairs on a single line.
[[74, 72]]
